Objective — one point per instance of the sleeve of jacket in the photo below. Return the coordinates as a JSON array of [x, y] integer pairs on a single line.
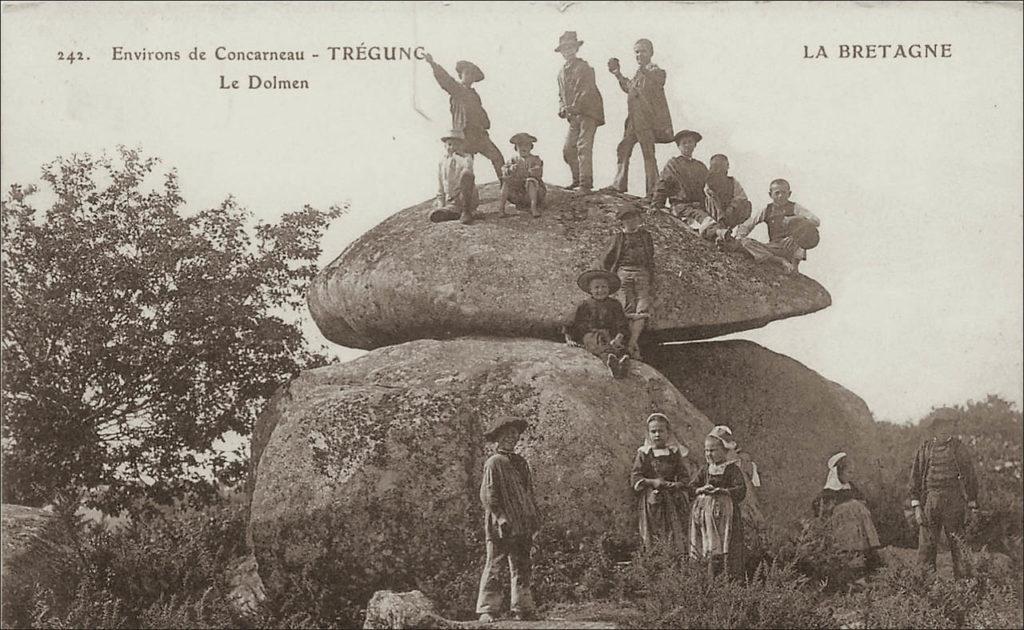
[[666, 186], [745, 228], [737, 486], [608, 259], [657, 76], [917, 471], [649, 250], [489, 488], [445, 80], [621, 324], [967, 471], [636, 475]]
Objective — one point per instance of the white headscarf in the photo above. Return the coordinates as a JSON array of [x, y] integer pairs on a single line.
[[832, 481], [723, 434], [671, 443]]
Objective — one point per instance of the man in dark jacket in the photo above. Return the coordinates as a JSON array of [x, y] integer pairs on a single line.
[[943, 486], [580, 103], [648, 120]]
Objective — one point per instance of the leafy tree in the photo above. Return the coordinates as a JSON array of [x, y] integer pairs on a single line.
[[136, 333]]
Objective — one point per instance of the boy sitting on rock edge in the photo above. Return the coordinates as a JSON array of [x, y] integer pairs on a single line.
[[521, 181], [599, 323]]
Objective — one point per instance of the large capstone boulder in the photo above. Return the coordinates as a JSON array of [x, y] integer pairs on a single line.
[[787, 416], [409, 279], [370, 471]]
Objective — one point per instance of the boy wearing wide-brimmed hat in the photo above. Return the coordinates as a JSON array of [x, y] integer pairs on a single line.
[[792, 230], [630, 256], [468, 115], [522, 177], [511, 519], [681, 182], [599, 323], [457, 197], [580, 103]]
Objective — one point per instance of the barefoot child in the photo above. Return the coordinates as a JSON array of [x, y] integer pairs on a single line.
[[631, 256], [511, 519], [660, 478], [599, 323], [521, 177], [716, 528]]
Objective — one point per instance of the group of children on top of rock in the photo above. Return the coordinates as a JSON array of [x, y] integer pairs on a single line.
[[700, 514], [710, 202]]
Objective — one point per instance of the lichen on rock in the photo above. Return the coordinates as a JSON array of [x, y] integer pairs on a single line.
[[410, 279]]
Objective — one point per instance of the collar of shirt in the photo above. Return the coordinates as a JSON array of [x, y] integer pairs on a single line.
[[504, 452]]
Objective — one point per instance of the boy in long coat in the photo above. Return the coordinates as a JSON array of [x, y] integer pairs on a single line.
[[511, 519]]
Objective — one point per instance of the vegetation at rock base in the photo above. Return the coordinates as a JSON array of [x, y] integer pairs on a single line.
[[169, 569], [138, 332]]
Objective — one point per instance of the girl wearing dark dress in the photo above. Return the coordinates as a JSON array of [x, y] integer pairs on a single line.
[[716, 526], [659, 478], [842, 504]]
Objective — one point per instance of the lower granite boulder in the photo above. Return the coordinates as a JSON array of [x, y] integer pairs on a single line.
[[787, 416], [368, 472]]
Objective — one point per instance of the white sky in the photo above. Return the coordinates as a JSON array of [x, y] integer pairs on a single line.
[[914, 166]]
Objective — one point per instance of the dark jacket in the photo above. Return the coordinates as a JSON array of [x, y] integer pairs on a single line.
[[613, 254], [962, 461]]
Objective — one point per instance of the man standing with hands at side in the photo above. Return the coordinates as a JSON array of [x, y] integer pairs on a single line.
[[943, 486], [648, 120]]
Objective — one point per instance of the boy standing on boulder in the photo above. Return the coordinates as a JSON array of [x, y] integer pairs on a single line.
[[630, 255], [456, 186], [521, 177], [599, 323], [511, 519], [468, 115], [580, 103]]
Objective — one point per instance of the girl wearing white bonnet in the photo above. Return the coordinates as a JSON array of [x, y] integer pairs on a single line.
[[716, 528], [659, 478], [842, 503]]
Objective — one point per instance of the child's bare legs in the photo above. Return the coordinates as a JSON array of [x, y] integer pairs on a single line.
[[636, 326], [533, 191], [504, 197]]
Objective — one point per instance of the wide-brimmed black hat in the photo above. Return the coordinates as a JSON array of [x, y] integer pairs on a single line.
[[625, 211], [686, 132], [476, 74], [567, 39], [943, 418], [500, 422], [454, 134], [583, 282], [522, 137]]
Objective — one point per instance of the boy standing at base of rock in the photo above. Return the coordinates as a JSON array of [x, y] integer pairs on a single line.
[[457, 197], [630, 256], [511, 519], [599, 323], [522, 177]]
